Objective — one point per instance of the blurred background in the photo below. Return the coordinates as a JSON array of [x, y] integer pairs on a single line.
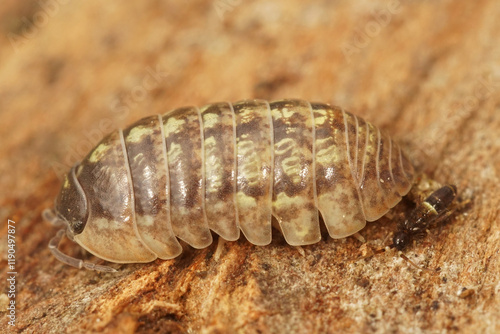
[[426, 72]]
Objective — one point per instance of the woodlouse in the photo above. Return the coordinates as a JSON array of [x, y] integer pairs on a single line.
[[228, 167]]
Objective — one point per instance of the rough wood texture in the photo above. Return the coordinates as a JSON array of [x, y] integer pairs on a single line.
[[426, 72]]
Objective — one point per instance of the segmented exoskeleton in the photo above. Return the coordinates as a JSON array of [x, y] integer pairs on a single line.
[[229, 167]]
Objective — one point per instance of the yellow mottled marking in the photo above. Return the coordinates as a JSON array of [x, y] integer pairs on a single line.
[[287, 113], [210, 120], [105, 224], [245, 147], [213, 164], [251, 172], [303, 215], [249, 169], [246, 115], [372, 138], [328, 156], [66, 182], [210, 141], [284, 145], [320, 120], [174, 152], [245, 201], [340, 219], [291, 167], [324, 141], [136, 134], [173, 125], [138, 158], [288, 201], [147, 220], [99, 152], [321, 112]]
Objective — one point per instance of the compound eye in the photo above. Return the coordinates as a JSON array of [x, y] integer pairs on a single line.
[[77, 226]]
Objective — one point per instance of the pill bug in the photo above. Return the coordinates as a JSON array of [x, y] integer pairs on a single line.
[[228, 168]]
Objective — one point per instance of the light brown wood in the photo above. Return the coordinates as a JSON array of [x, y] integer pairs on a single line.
[[426, 72]]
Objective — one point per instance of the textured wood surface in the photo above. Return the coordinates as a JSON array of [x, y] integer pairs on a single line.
[[426, 72]]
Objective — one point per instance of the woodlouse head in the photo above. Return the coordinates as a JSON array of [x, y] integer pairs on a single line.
[[71, 204]]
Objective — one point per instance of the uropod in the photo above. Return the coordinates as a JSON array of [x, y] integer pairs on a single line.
[[231, 167]]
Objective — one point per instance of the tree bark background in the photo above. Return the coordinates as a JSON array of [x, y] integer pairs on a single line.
[[426, 72]]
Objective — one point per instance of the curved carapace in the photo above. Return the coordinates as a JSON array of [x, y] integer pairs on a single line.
[[230, 167]]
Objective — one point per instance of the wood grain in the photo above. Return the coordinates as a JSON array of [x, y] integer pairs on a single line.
[[426, 72]]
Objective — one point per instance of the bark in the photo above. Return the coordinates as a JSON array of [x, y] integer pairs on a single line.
[[428, 73]]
